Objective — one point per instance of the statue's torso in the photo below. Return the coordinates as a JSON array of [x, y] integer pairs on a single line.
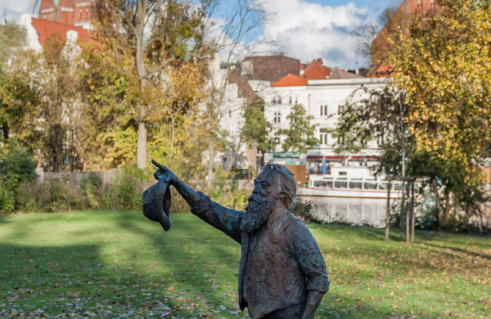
[[273, 278]]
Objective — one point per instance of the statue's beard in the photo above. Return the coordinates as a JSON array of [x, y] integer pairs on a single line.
[[257, 212]]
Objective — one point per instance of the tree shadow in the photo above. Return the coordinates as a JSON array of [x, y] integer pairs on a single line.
[[196, 269], [94, 279], [459, 250], [3, 220]]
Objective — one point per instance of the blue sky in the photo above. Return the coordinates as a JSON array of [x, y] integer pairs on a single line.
[[303, 29]]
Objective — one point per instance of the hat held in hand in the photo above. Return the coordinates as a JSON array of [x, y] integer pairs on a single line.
[[156, 203]]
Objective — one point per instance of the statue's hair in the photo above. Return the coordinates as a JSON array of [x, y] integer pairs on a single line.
[[286, 183]]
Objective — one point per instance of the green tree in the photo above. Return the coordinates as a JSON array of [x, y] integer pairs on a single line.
[[16, 166], [59, 106], [18, 88], [256, 127], [381, 115], [300, 136]]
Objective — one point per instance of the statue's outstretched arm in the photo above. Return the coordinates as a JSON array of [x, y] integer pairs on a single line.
[[225, 219]]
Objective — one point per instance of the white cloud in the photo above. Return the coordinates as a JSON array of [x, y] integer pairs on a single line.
[[307, 30], [11, 10]]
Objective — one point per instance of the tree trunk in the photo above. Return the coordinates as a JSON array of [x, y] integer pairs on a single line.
[[407, 217], [387, 212], [141, 150], [172, 138], [211, 158], [413, 217], [437, 202], [402, 213], [5, 131], [447, 210]]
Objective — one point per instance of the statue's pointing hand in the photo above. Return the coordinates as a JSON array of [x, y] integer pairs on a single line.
[[165, 174]]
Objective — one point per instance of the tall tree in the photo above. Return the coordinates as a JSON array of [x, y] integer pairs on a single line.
[[59, 105], [233, 31], [300, 135], [444, 65], [18, 88], [146, 39], [380, 115], [256, 127]]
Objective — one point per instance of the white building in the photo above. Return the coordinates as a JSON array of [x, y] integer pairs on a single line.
[[323, 100], [322, 93]]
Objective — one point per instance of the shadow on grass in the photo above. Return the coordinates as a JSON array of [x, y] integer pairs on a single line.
[[71, 281], [119, 269], [460, 250], [193, 268], [3, 220]]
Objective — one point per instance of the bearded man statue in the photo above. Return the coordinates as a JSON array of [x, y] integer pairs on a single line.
[[282, 273]]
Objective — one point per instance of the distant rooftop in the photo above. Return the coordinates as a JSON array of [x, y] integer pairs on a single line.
[[47, 29]]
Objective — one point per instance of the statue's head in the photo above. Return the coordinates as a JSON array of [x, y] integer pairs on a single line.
[[273, 187]]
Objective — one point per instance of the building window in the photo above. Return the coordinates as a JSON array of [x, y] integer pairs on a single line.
[[279, 100], [323, 110], [291, 99], [229, 113], [407, 7], [273, 100], [276, 139], [340, 109], [277, 117], [296, 99], [341, 140], [323, 136]]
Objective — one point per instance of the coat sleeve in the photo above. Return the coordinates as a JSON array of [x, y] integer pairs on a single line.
[[225, 219], [302, 246]]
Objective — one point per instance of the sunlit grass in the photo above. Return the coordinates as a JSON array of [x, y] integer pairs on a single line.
[[120, 265]]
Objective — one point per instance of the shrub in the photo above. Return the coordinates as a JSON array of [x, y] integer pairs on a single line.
[[128, 188], [225, 191], [304, 210], [92, 187], [16, 166], [52, 197]]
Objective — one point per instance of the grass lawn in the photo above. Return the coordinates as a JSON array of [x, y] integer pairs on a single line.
[[120, 265]]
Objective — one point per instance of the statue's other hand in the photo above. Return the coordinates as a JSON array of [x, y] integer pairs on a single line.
[[165, 173]]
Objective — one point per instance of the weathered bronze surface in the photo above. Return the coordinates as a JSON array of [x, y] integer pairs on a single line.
[[282, 273], [156, 203]]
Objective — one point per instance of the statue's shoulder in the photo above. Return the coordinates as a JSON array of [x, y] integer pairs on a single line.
[[290, 222], [296, 227]]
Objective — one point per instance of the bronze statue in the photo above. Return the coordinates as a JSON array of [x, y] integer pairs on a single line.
[[282, 273]]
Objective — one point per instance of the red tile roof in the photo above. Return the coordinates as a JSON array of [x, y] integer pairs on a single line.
[[382, 71], [291, 80], [46, 29], [316, 71]]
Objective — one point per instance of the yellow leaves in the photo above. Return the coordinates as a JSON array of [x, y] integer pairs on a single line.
[[444, 65]]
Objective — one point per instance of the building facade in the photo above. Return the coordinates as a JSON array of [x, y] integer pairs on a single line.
[[78, 13], [323, 100], [322, 91]]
